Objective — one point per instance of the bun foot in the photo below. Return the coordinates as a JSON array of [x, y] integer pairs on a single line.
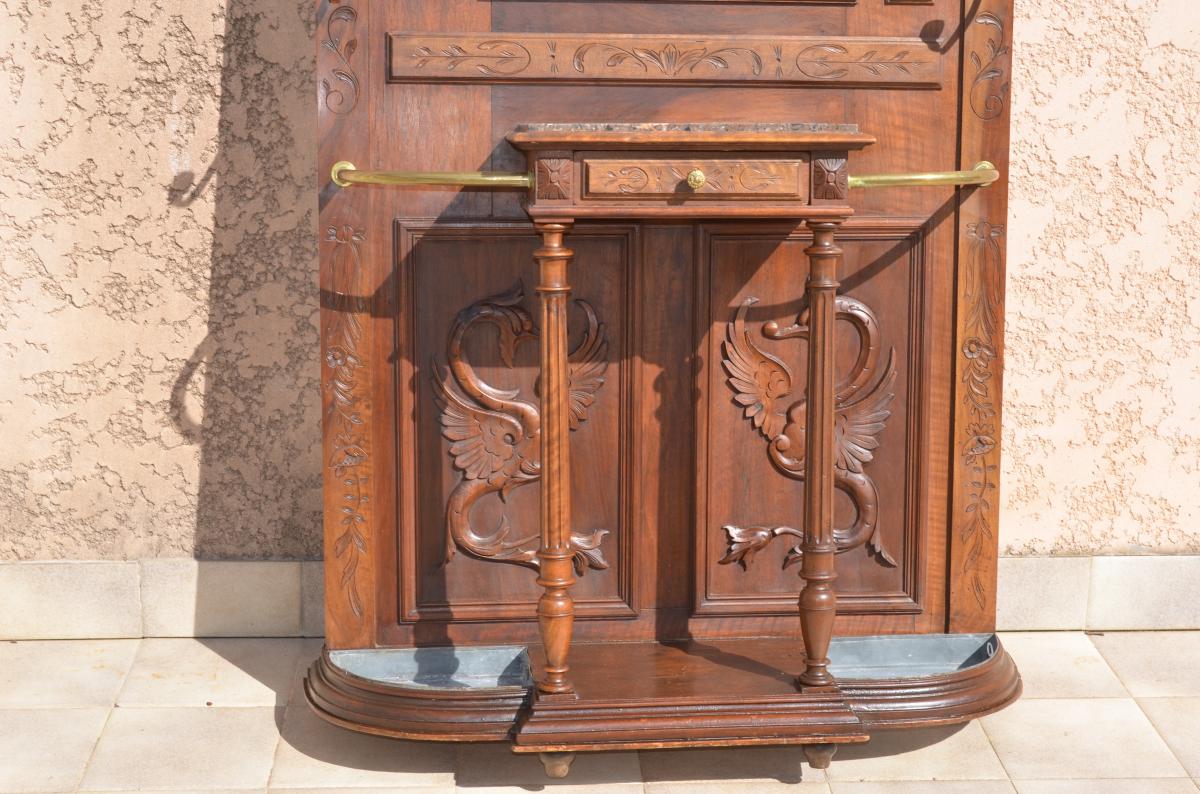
[[819, 755], [558, 764]]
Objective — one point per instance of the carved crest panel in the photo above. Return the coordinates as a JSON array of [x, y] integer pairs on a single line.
[[495, 433], [754, 60], [753, 467], [472, 521]]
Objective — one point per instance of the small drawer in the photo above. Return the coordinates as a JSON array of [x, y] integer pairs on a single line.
[[612, 178]]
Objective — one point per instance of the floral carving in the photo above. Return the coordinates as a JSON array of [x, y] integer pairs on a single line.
[[341, 94], [495, 435], [835, 62], [719, 178], [670, 60], [830, 179], [538, 57], [348, 457], [989, 88], [493, 57], [982, 293], [761, 383]]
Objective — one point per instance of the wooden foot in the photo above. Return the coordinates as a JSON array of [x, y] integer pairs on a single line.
[[558, 764], [819, 755]]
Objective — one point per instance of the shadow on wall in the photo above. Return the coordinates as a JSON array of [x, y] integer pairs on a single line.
[[256, 374]]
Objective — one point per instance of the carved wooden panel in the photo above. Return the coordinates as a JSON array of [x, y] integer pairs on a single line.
[[980, 331], [347, 245], [555, 58], [468, 322], [721, 178], [554, 175], [752, 470], [495, 433]]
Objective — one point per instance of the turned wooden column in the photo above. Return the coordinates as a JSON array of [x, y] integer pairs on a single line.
[[556, 610], [818, 601]]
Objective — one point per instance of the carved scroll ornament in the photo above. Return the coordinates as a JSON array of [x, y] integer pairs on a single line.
[[552, 57], [495, 435], [761, 383]]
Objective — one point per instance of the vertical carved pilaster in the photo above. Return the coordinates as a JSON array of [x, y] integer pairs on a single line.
[[818, 602], [974, 541], [556, 610]]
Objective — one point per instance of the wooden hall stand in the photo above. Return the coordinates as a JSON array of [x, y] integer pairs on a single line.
[[436, 419]]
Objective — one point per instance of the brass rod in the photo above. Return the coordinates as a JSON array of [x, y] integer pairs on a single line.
[[983, 174], [345, 174]]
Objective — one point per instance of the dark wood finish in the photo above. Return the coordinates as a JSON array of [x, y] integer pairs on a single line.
[[818, 602], [727, 692], [979, 327], [599, 58], [674, 496], [556, 610]]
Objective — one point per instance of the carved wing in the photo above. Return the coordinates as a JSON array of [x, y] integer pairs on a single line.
[[860, 422], [760, 380], [587, 364], [484, 442]]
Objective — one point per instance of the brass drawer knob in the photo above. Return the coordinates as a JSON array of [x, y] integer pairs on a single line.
[[695, 179]]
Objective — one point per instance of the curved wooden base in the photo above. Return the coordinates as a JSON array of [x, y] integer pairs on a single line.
[[721, 694], [449, 715]]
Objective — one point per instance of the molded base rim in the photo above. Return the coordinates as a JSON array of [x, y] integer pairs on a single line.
[[510, 712]]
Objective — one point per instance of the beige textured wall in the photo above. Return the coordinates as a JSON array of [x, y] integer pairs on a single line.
[[158, 368], [1102, 391]]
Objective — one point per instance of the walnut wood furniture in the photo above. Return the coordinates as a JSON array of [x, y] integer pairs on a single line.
[[571, 547]]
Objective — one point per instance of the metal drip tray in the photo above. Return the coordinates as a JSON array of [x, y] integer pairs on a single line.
[[875, 658], [908, 655], [441, 667]]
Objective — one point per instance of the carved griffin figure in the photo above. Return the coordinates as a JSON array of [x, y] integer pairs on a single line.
[[762, 383], [495, 434]]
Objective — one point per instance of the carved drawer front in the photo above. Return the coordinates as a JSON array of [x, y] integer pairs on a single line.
[[688, 178]]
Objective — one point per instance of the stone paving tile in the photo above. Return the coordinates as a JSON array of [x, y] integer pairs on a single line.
[[212, 672], [1178, 722], [1075, 720], [493, 767], [744, 765], [955, 753], [1061, 665], [313, 752], [926, 787], [46, 749], [184, 748], [1126, 786], [69, 673], [447, 788], [1154, 663], [737, 787], [1056, 739]]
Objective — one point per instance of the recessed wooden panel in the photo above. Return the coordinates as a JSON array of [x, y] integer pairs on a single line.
[[476, 460], [750, 473], [567, 58]]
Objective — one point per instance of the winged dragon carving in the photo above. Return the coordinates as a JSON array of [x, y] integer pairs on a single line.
[[495, 434], [762, 383]]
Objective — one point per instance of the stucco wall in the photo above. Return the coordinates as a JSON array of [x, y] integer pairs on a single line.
[[158, 368], [1102, 391]]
